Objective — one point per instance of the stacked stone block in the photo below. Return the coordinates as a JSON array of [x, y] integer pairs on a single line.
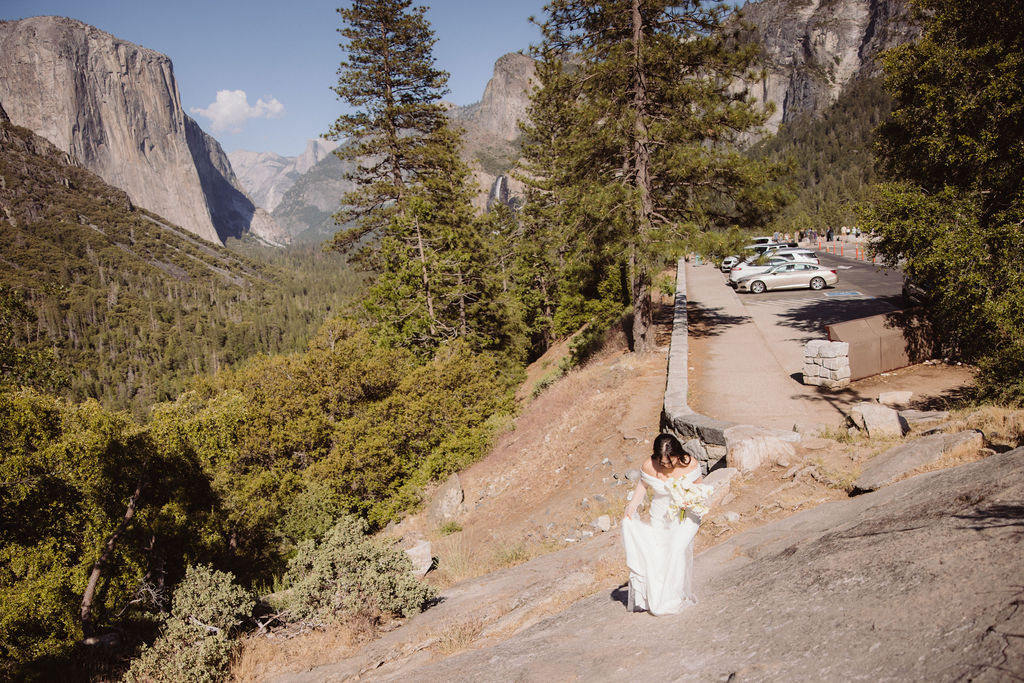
[[827, 364]]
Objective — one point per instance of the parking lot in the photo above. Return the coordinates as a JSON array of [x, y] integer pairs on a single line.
[[752, 372]]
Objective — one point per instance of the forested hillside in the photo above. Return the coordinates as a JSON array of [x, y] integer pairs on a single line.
[[132, 304], [832, 157]]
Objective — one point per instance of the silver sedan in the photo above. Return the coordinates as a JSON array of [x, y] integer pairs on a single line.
[[789, 276]]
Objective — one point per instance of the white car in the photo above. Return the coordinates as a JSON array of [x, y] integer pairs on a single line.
[[754, 265], [728, 262], [789, 276], [796, 254]]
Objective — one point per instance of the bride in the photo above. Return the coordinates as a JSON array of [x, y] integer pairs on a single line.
[[659, 554]]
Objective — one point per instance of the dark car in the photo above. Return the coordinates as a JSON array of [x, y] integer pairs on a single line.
[[914, 293]]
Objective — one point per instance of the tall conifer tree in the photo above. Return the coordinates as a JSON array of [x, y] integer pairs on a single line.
[[650, 152], [414, 226]]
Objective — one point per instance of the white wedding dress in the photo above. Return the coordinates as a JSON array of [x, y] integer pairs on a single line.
[[659, 554]]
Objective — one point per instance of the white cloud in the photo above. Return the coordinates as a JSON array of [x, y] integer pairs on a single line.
[[231, 110]]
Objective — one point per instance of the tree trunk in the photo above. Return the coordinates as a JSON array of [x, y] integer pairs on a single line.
[[426, 280], [462, 306], [643, 340], [641, 280], [85, 613]]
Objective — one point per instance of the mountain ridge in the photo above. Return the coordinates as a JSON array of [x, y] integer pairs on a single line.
[[115, 107]]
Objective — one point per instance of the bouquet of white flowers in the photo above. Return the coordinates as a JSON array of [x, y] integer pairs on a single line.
[[687, 495]]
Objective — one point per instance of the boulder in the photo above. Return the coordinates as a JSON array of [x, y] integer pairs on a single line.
[[749, 447], [895, 398], [877, 420], [720, 481], [707, 429], [896, 462], [921, 420], [808, 429], [421, 557], [696, 449], [603, 523], [447, 505]]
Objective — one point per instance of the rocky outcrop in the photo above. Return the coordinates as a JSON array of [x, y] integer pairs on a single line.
[[267, 176], [505, 100], [491, 126], [115, 108], [917, 581], [306, 211], [814, 48]]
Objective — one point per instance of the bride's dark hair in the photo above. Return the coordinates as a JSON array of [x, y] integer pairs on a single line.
[[668, 446]]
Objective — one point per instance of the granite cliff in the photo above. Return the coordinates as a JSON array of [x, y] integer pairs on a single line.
[[115, 108], [815, 48], [268, 176]]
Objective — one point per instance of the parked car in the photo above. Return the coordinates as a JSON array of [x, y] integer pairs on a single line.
[[789, 276], [754, 265], [914, 294], [767, 247], [796, 254], [728, 262]]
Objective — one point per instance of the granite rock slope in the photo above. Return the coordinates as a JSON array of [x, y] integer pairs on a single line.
[[815, 48], [920, 580]]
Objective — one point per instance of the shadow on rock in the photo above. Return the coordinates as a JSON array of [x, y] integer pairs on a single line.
[[995, 516]]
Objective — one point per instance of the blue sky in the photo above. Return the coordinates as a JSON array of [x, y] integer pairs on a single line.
[[284, 56]]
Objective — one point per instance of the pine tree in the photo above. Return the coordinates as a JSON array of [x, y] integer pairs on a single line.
[[415, 229], [953, 146], [389, 79], [654, 119]]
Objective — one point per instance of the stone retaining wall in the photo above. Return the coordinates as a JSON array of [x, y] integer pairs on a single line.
[[713, 442], [676, 415]]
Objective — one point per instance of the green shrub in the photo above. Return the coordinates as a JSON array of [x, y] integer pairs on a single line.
[[211, 598], [348, 572], [196, 642], [183, 653], [449, 528]]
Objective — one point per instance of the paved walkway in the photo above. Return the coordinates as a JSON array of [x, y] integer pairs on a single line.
[[747, 369]]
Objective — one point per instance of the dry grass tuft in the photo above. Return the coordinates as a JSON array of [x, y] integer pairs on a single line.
[[262, 656], [511, 554], [1001, 426], [455, 560], [837, 478], [958, 456], [458, 635], [460, 557]]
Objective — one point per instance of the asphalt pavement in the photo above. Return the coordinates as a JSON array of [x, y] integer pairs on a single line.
[[752, 345]]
